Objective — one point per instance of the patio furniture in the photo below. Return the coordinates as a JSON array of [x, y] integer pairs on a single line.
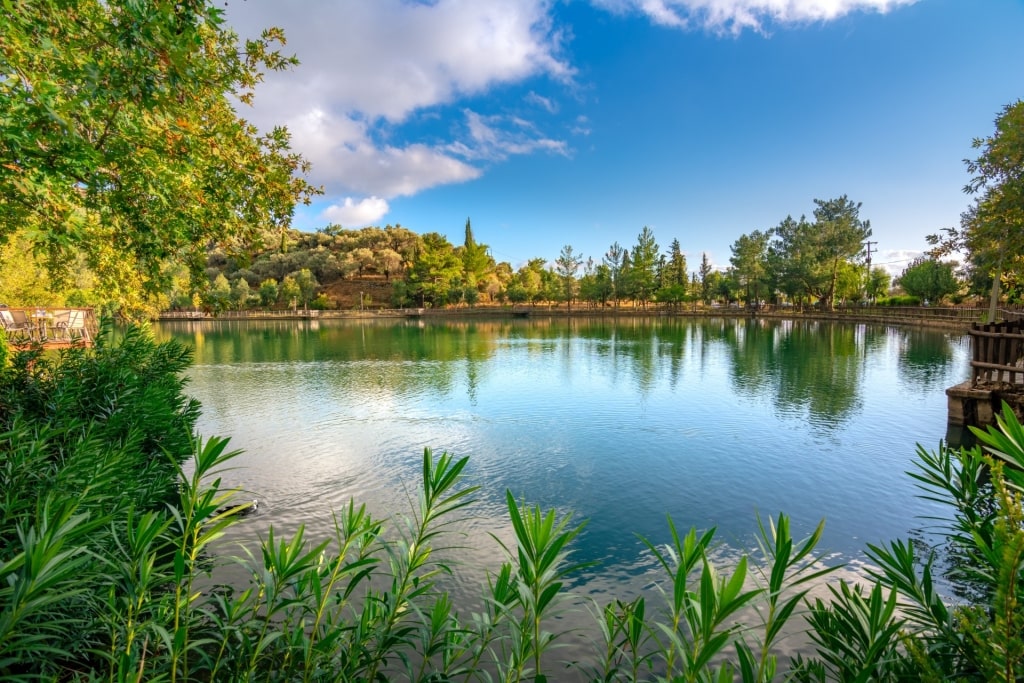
[[41, 319], [74, 326], [61, 318], [17, 325]]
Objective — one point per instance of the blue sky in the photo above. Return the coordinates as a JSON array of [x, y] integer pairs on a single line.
[[581, 121]]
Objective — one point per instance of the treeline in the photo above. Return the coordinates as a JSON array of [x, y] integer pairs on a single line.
[[799, 261]]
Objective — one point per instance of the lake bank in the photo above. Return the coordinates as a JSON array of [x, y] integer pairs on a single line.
[[937, 317]]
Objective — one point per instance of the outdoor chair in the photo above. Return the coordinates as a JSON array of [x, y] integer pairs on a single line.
[[74, 326], [61, 318], [17, 325]]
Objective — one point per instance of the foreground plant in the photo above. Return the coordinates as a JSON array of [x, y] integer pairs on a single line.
[[106, 575]]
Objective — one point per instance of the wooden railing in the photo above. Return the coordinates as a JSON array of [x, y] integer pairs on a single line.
[[998, 352], [48, 326]]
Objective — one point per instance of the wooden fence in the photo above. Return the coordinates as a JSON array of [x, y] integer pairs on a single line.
[[998, 352]]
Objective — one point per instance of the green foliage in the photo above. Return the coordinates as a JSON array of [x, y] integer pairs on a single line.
[[435, 271], [89, 444], [289, 291], [127, 392], [476, 261], [750, 263], [930, 279], [109, 556], [268, 292], [642, 280], [984, 545], [566, 265], [990, 231], [706, 280], [901, 300], [121, 145], [877, 283], [218, 296], [806, 259]]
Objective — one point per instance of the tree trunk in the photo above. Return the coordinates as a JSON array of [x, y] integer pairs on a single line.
[[994, 301]]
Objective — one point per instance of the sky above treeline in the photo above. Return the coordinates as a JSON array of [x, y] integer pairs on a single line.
[[554, 122]]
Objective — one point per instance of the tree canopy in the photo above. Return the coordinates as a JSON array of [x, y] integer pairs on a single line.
[[929, 279], [991, 232], [120, 144]]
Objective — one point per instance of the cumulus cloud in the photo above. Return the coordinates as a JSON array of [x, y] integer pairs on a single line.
[[351, 213], [733, 16], [388, 58], [370, 65]]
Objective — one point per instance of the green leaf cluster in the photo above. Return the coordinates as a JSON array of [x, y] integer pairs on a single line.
[[121, 146]]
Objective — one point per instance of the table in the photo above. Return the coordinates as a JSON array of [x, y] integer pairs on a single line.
[[42, 319]]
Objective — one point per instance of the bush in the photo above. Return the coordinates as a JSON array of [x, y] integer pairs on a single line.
[[90, 442], [899, 300], [321, 303]]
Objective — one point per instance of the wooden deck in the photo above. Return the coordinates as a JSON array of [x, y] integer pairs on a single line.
[[998, 356], [48, 328], [997, 375]]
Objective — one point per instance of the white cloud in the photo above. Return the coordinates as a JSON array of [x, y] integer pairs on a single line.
[[894, 261], [356, 214], [388, 58], [733, 16], [497, 137], [581, 126], [544, 102], [368, 65]]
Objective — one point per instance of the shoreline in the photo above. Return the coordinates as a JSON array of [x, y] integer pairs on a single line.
[[956, 319]]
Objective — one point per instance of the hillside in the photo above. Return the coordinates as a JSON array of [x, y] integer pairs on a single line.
[[345, 293]]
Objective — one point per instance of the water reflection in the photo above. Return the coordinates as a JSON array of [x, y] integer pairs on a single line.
[[809, 370], [622, 421], [925, 357]]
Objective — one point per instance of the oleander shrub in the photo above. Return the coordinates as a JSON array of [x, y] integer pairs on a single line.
[[90, 440]]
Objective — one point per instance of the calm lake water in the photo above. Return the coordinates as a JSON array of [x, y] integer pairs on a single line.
[[620, 423]]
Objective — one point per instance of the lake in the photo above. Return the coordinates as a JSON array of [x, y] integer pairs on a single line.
[[711, 421]]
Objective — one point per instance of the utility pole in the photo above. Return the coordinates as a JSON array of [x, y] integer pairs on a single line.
[[868, 243]]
